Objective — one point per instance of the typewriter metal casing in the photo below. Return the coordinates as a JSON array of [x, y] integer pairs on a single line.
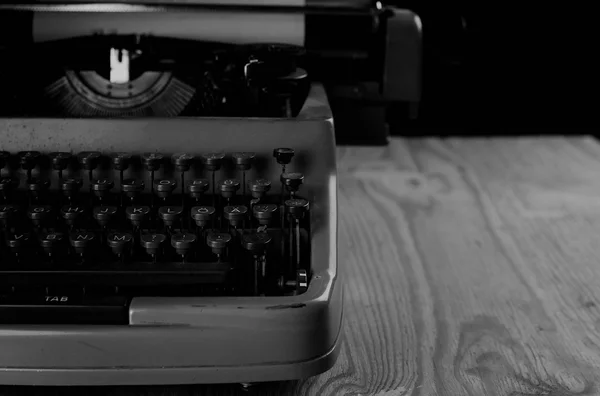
[[96, 313]]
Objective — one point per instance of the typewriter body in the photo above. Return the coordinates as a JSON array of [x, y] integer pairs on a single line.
[[168, 208]]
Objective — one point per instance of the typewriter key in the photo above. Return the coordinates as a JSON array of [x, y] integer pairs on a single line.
[[264, 213], [28, 161], [243, 162], [292, 181], [60, 160], [82, 242], [89, 160], [7, 186], [152, 243], [183, 244], [218, 242], [152, 162], [212, 161], [258, 188], [197, 188], [132, 188], [137, 215], [37, 186], [229, 187], [283, 156], [7, 214], [182, 162], [120, 161], [71, 214], [170, 214], [165, 187], [4, 155], [119, 242], [70, 187], [235, 214], [202, 215], [40, 214], [256, 242], [51, 242], [297, 207], [104, 214], [17, 242], [101, 187]]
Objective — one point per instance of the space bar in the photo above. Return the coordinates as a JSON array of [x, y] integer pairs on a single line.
[[64, 309]]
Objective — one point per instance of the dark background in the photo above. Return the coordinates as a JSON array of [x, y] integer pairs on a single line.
[[492, 67]]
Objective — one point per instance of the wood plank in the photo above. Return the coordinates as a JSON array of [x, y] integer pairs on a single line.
[[471, 268]]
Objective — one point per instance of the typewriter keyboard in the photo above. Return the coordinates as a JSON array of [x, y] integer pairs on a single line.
[[92, 229]]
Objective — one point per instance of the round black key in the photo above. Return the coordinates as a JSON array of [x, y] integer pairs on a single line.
[[213, 161], [71, 186], [104, 214], [183, 243], [165, 187], [170, 214], [60, 160], [137, 214], [182, 161], [218, 241], [202, 215], [283, 155], [292, 180], [71, 213], [89, 159], [39, 214], [4, 156], [264, 213], [82, 241], [8, 184], [229, 187], [256, 242], [29, 159], [297, 207], [235, 214], [101, 187], [8, 212], [50, 241], [243, 161], [120, 161], [18, 242], [152, 243], [132, 187], [197, 187], [119, 242], [37, 185], [259, 187], [152, 161]]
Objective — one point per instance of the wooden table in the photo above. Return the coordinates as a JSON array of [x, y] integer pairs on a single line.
[[472, 267]]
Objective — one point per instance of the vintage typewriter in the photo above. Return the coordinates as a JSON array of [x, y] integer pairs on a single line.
[[168, 210]]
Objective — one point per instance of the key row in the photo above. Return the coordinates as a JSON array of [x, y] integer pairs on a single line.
[[121, 243], [90, 160], [138, 215]]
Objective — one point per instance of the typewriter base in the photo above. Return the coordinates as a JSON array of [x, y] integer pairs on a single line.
[[172, 376]]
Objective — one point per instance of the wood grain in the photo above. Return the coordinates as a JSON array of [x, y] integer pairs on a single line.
[[471, 267]]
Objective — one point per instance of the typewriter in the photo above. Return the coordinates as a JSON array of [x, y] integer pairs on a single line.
[[168, 209]]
